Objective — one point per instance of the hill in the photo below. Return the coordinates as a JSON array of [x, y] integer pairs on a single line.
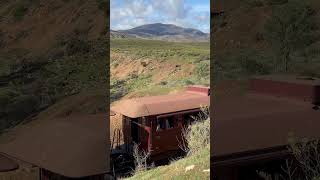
[[37, 24], [168, 32], [245, 39], [51, 51], [151, 67]]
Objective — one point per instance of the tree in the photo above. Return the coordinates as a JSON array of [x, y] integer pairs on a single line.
[[290, 28]]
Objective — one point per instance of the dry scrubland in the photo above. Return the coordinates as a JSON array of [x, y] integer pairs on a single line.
[[150, 67], [249, 39], [68, 61], [59, 73]]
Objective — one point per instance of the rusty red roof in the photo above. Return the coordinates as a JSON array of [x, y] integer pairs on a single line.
[[245, 125], [75, 146], [156, 105], [7, 164], [253, 122]]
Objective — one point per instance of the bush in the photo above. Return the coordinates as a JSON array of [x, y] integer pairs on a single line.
[[22, 106], [140, 159], [305, 164], [306, 152], [20, 10], [251, 66], [5, 96], [117, 89], [290, 28], [198, 134], [203, 70], [188, 82], [75, 45]]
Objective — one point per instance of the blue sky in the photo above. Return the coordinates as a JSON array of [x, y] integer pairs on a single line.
[[126, 14]]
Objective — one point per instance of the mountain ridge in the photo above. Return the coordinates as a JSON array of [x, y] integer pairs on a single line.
[[160, 31]]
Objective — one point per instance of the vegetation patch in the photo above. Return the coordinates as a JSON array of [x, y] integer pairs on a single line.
[[21, 8], [31, 83], [166, 66]]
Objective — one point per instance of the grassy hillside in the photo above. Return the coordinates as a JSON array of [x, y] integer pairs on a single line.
[[34, 83], [150, 67], [36, 24], [248, 39], [177, 169], [51, 51]]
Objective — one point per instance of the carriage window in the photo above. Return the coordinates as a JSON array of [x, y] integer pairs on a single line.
[[170, 122], [190, 118], [143, 121], [161, 125], [165, 123]]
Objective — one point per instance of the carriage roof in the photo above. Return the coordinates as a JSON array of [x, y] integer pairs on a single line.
[[193, 98]]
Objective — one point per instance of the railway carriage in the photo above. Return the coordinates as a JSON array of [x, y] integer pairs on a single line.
[[156, 123]]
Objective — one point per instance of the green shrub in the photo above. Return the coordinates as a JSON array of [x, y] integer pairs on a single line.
[[22, 106], [242, 64], [188, 82], [5, 98], [198, 136], [20, 11], [203, 70], [75, 45], [290, 28], [117, 89], [251, 66]]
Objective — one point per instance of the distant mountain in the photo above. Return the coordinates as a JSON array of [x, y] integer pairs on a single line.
[[159, 31]]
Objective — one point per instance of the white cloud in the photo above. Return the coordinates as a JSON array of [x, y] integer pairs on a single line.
[[174, 9]]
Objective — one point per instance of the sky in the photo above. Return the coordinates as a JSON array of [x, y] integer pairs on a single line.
[[126, 14]]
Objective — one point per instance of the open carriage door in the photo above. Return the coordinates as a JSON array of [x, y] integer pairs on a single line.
[[140, 133], [167, 133]]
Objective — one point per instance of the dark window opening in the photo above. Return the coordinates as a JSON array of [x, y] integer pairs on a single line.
[[190, 118], [134, 130], [165, 123], [170, 122], [143, 121], [161, 125]]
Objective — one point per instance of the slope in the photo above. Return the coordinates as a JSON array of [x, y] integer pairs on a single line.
[[50, 50]]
